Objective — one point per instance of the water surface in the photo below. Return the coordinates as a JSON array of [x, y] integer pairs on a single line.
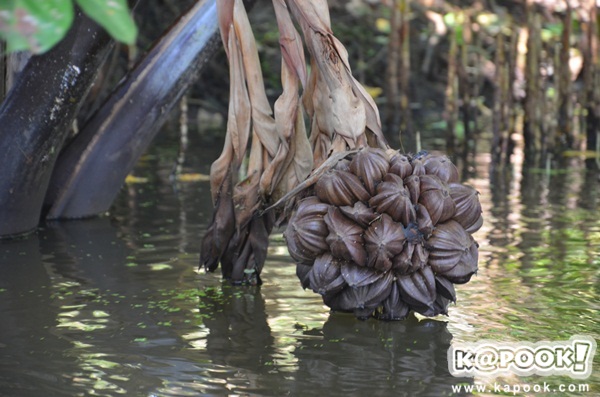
[[116, 306]]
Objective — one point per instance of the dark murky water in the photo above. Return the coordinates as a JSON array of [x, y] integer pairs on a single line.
[[116, 306]]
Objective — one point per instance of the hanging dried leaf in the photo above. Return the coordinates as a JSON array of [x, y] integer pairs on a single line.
[[221, 229], [252, 252], [340, 106], [290, 41]]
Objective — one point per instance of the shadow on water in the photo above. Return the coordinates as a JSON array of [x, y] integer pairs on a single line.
[[25, 306], [403, 359], [79, 318], [341, 357]]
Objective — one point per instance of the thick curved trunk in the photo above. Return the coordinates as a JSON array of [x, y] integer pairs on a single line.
[[35, 119], [91, 170]]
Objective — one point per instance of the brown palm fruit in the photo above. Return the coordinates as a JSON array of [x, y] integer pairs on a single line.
[[370, 165], [393, 199], [413, 185], [418, 167], [326, 276], [468, 207], [424, 222], [435, 197], [393, 308], [384, 239], [413, 257], [360, 213], [365, 299], [453, 252], [358, 276], [400, 165], [343, 165], [306, 231], [345, 238], [418, 289], [445, 288], [340, 188], [388, 234], [302, 272], [442, 167]]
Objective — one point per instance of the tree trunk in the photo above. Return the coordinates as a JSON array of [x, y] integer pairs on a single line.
[[565, 136], [532, 124], [91, 170], [35, 119]]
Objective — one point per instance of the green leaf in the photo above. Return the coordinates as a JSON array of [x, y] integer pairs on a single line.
[[34, 25], [112, 15]]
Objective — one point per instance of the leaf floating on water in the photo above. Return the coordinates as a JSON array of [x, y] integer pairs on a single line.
[[132, 179], [100, 313], [160, 266], [193, 177], [586, 154]]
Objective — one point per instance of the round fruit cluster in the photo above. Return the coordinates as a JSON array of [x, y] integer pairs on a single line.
[[382, 233]]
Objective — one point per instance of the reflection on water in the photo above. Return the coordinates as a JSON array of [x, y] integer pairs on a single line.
[[115, 306]]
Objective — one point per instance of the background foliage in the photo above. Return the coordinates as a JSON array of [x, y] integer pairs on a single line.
[[38, 25]]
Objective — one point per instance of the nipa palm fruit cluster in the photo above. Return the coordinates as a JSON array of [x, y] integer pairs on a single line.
[[382, 233]]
